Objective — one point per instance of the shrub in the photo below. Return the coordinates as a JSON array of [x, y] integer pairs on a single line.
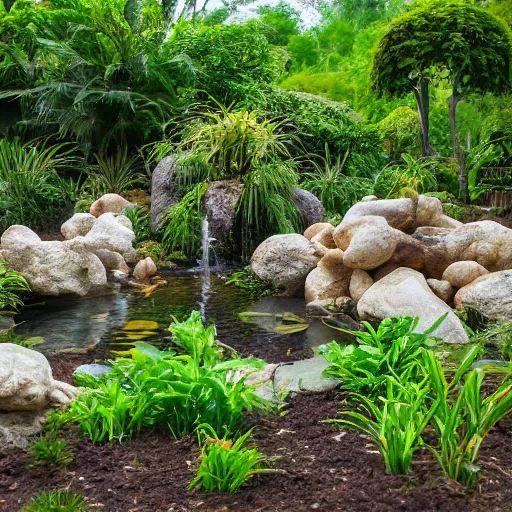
[[49, 451], [412, 174], [56, 501], [226, 465], [152, 249], [31, 191], [400, 130], [141, 223]]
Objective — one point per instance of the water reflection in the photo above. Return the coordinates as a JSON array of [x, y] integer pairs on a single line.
[[70, 323]]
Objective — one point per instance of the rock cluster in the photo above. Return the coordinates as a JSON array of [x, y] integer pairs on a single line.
[[96, 245], [399, 257]]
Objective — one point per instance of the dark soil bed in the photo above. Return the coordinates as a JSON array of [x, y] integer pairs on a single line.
[[321, 470]]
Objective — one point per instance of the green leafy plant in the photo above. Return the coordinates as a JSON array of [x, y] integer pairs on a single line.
[[266, 206], [226, 465], [141, 223], [51, 451], [182, 230], [395, 423], [413, 174], [394, 349], [235, 142], [247, 280], [31, 191], [11, 284], [10, 336], [113, 173], [464, 416], [56, 501], [331, 183], [172, 391], [152, 249]]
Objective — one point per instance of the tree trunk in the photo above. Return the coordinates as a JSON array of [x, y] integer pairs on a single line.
[[458, 152], [423, 105], [8, 4]]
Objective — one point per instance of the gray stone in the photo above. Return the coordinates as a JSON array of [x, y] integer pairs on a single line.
[[220, 201], [305, 375], [285, 261], [18, 429], [164, 192], [94, 370], [112, 260], [310, 208], [491, 295], [26, 382]]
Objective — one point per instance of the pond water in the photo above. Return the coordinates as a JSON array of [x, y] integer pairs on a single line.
[[114, 322]]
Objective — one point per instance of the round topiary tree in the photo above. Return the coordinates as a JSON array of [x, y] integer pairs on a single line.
[[455, 41]]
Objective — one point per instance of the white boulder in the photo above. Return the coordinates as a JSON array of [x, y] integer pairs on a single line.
[[405, 292], [26, 382]]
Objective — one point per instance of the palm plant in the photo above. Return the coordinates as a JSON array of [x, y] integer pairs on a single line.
[[108, 80]]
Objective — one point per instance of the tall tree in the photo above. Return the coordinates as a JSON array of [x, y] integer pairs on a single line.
[[453, 41]]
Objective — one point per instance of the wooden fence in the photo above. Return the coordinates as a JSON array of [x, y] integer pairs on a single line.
[[500, 195]]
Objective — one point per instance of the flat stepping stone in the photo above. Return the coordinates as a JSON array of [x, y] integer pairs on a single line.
[[305, 375]]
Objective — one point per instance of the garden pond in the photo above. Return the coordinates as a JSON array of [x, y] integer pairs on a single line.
[[115, 322]]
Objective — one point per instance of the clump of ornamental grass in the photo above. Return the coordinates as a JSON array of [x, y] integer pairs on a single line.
[[227, 465]]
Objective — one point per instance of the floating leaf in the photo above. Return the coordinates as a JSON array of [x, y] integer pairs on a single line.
[[140, 325]]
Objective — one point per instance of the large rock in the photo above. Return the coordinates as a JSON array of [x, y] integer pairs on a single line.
[[109, 203], [330, 280], [164, 192], [285, 261], [368, 242], [461, 273], [26, 382], [405, 292], [19, 429], [113, 233], [219, 202], [54, 268], [310, 208], [491, 295], [78, 225]]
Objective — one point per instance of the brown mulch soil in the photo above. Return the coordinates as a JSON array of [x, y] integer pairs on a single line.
[[320, 470]]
